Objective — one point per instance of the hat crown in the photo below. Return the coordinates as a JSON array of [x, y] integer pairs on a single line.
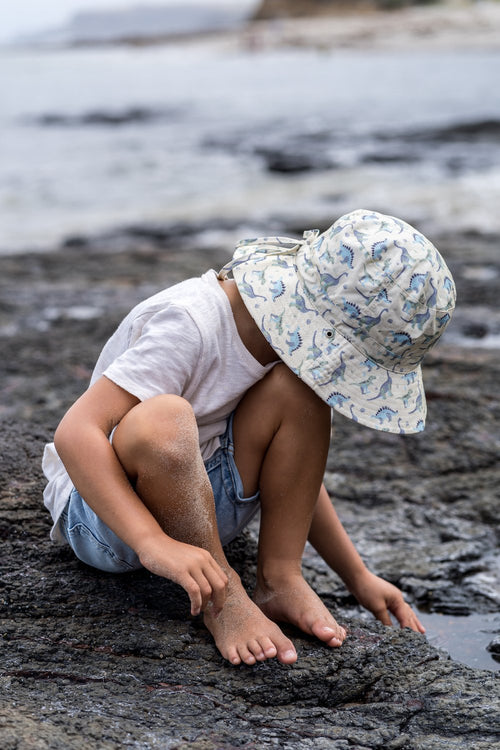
[[381, 284]]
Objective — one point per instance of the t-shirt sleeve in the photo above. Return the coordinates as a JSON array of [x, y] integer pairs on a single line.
[[162, 356]]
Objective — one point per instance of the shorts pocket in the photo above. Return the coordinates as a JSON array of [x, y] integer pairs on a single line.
[[93, 551]]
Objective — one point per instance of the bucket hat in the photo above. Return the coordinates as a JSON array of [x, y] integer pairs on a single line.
[[352, 312]]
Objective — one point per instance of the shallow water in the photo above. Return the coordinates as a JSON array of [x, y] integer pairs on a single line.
[[201, 123], [465, 639]]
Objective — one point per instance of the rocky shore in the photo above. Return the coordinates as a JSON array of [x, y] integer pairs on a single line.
[[94, 660], [322, 26]]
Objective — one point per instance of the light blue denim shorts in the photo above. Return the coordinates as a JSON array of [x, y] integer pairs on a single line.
[[95, 544]]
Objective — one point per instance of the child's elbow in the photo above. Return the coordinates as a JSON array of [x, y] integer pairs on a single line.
[[62, 436]]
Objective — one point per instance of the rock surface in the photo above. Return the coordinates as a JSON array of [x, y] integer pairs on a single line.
[[94, 660]]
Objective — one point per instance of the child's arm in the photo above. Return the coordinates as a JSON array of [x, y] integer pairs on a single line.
[[330, 539], [82, 442]]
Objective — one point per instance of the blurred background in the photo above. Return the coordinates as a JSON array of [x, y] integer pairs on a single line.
[[213, 118]]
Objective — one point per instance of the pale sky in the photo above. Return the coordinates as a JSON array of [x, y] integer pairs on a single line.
[[25, 16]]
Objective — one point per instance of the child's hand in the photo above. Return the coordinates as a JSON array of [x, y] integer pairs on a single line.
[[382, 598], [191, 567]]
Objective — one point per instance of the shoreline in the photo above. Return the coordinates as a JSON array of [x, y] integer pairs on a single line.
[[469, 26], [320, 161]]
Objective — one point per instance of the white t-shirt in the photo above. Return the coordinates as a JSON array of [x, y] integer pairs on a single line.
[[184, 341]]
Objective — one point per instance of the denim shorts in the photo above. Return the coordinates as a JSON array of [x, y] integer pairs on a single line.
[[95, 544]]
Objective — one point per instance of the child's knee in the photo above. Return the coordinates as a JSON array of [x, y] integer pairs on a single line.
[[163, 427], [281, 378], [293, 395]]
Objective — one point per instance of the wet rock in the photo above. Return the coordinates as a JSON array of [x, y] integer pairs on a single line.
[[457, 148], [289, 160], [475, 330], [488, 130], [105, 118], [494, 647], [90, 659]]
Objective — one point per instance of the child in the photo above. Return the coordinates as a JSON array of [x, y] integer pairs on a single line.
[[213, 399]]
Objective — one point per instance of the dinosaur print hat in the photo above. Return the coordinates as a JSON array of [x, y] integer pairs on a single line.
[[351, 311]]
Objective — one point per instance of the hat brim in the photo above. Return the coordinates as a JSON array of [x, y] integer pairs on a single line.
[[313, 348]]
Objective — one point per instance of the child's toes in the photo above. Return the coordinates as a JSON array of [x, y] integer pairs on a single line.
[[335, 642], [288, 656], [246, 655], [256, 649], [233, 656], [332, 636], [268, 648]]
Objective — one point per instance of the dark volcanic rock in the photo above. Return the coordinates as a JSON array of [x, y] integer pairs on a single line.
[[94, 660], [455, 148], [133, 115], [291, 159]]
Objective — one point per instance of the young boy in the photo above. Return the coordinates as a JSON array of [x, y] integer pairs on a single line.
[[213, 399]]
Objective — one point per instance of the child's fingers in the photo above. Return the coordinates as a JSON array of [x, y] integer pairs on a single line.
[[218, 581], [407, 617], [207, 585], [383, 615], [415, 623], [213, 590], [193, 590]]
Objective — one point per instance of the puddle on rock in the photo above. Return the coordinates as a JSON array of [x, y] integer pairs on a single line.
[[464, 638]]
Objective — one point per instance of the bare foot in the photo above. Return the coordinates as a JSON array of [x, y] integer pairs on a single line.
[[242, 633], [294, 601]]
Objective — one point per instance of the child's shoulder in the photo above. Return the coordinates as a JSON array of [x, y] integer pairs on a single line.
[[196, 304], [194, 292]]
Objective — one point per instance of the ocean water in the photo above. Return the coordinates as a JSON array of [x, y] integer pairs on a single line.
[[98, 138], [465, 639]]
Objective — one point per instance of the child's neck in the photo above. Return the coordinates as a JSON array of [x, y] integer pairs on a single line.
[[249, 332]]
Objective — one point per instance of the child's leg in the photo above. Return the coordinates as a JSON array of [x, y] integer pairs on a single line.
[[157, 444], [282, 432]]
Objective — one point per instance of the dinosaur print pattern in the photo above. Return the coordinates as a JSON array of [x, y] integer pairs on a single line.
[[346, 255], [385, 414], [294, 341], [352, 311], [277, 289]]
